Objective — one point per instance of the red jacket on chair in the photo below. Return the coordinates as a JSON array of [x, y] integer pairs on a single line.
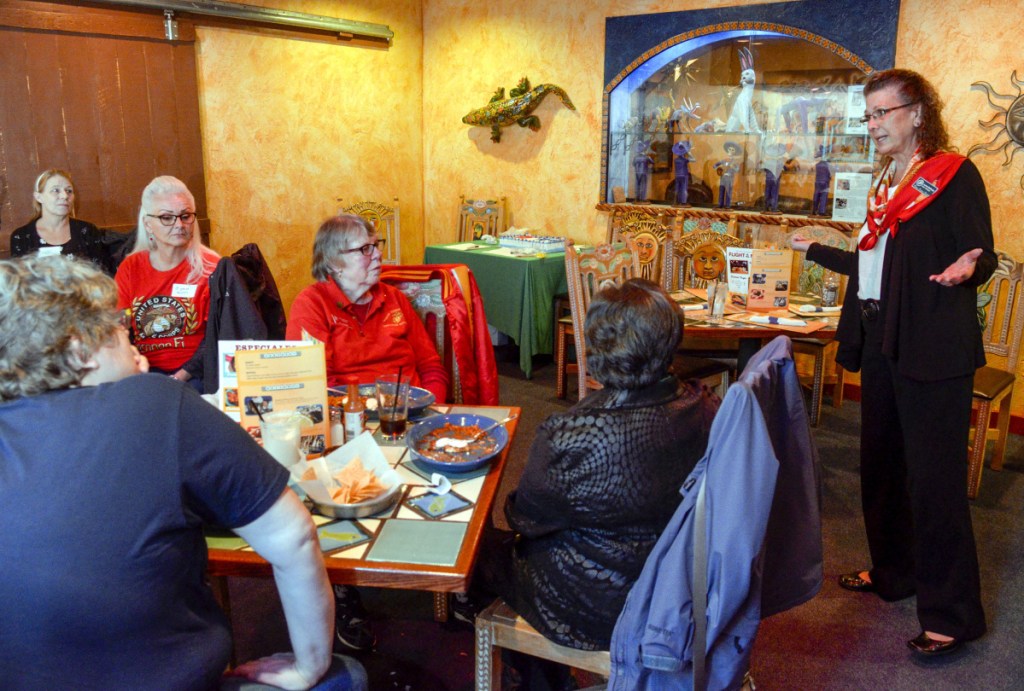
[[472, 353]]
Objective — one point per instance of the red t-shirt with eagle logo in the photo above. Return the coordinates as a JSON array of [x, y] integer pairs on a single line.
[[168, 315]]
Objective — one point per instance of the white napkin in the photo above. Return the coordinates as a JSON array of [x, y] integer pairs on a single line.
[[822, 310], [693, 308], [781, 321]]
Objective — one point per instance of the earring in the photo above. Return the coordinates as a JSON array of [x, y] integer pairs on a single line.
[[917, 122]]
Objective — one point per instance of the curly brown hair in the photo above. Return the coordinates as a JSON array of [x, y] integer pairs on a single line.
[[914, 88], [55, 313]]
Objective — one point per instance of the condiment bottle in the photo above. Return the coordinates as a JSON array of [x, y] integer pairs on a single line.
[[830, 289], [354, 410]]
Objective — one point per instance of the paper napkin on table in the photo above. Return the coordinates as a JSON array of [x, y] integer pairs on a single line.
[[781, 321], [822, 310]]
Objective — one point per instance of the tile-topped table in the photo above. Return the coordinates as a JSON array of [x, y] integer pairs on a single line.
[[403, 547]]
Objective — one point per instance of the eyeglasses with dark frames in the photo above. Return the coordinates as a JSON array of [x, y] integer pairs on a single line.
[[880, 113], [367, 249], [168, 219]]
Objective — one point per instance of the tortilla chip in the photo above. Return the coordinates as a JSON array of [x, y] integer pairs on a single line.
[[357, 484]]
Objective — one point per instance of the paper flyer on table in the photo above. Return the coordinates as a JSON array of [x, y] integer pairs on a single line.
[[770, 273], [738, 269], [228, 392], [290, 379]]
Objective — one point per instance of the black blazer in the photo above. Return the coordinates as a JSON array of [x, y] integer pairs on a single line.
[[930, 330]]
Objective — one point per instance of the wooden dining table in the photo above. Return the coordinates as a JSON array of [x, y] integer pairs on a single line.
[[750, 337], [401, 547]]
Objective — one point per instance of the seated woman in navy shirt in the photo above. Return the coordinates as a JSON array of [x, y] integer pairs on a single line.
[[107, 482]]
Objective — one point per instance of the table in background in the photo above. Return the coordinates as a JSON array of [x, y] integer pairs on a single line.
[[416, 553], [751, 336], [518, 292]]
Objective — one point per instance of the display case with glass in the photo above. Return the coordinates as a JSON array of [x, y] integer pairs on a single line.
[[744, 120]]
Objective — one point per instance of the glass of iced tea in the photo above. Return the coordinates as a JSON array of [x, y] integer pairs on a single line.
[[392, 405]]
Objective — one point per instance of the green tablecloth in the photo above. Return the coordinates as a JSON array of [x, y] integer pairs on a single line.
[[518, 293]]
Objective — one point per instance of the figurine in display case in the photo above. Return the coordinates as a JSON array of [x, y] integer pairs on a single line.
[[743, 117], [643, 164], [681, 149], [822, 180], [775, 164], [727, 169]]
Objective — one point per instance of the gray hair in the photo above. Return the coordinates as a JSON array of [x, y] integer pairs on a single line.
[[332, 237], [201, 259], [55, 313], [632, 333]]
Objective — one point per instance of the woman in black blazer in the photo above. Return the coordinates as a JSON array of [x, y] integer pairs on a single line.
[[909, 324]]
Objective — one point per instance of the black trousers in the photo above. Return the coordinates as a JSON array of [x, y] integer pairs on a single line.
[[914, 492]]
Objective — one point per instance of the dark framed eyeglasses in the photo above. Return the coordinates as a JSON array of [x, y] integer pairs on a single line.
[[367, 249], [168, 219], [880, 113]]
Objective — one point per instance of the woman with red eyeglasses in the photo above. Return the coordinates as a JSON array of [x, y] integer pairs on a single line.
[[909, 324], [163, 284]]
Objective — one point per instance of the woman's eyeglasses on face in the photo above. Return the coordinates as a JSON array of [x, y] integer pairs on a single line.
[[168, 219], [880, 113], [367, 249]]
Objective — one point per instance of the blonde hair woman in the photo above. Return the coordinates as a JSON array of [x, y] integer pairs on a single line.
[[54, 229]]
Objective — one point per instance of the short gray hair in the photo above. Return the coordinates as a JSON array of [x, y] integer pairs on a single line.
[[55, 313], [632, 333], [332, 237]]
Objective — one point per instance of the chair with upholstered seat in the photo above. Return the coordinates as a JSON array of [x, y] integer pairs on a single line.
[[479, 217], [1001, 306], [385, 219]]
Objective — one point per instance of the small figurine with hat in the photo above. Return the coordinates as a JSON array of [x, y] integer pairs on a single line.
[[643, 163], [681, 149], [822, 179], [775, 164], [727, 169]]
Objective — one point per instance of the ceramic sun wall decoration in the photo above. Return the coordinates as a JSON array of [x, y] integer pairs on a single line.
[[502, 112], [1007, 121]]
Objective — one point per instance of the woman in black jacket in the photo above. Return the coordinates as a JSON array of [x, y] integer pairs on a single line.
[[55, 230], [909, 324]]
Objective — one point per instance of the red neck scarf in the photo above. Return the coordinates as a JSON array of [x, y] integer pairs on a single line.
[[919, 186]]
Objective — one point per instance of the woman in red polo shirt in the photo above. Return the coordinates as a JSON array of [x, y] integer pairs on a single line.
[[368, 328]]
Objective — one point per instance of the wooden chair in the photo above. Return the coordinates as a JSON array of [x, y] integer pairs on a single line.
[[586, 272], [809, 280], [680, 271], [1001, 306], [385, 219], [499, 626], [479, 217], [650, 234]]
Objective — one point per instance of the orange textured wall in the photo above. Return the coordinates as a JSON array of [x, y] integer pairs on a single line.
[[290, 125]]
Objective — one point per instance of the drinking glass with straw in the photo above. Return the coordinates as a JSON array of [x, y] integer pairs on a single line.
[[393, 409]]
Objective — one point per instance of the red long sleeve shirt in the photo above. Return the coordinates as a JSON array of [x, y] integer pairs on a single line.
[[390, 334]]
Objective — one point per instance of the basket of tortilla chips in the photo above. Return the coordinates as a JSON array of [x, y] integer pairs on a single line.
[[354, 481]]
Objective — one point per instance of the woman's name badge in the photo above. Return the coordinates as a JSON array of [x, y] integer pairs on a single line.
[[183, 290], [51, 251]]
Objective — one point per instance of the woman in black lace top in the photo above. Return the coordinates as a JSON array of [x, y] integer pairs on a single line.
[[603, 478]]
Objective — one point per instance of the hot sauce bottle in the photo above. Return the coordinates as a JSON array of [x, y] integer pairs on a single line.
[[354, 411]]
